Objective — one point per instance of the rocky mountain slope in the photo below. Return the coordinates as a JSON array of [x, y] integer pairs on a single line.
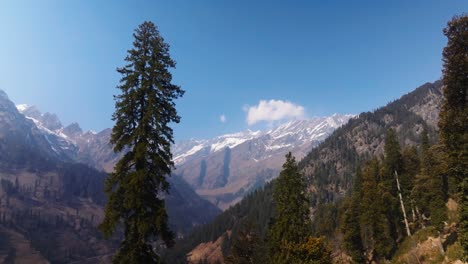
[[71, 143], [50, 204], [330, 166]]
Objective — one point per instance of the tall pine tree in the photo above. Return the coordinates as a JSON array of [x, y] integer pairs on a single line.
[[351, 223], [453, 117], [392, 163], [144, 109], [292, 223], [376, 228]]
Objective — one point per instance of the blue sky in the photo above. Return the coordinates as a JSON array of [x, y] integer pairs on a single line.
[[313, 57]]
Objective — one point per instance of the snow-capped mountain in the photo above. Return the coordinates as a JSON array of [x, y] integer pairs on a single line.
[[291, 134], [71, 142], [185, 150], [225, 168], [221, 169], [40, 143]]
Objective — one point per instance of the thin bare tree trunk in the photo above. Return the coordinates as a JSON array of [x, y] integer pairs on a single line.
[[412, 211], [421, 220], [402, 205]]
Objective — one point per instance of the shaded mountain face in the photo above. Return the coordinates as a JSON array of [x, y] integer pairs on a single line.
[[224, 169], [51, 203], [185, 208], [49, 206]]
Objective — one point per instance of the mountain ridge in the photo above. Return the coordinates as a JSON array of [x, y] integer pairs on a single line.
[[222, 169]]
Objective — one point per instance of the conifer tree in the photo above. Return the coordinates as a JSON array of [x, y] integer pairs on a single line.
[[247, 247], [351, 225], [453, 118], [429, 190], [464, 217], [292, 223], [392, 163], [144, 109], [411, 166], [376, 228]]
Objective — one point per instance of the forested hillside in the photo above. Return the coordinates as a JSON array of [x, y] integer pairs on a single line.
[[389, 186], [330, 167], [50, 206]]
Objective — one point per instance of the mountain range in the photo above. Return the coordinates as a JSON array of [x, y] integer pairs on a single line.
[[51, 201], [222, 169], [226, 168]]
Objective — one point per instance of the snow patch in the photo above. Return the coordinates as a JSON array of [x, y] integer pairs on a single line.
[[22, 107]]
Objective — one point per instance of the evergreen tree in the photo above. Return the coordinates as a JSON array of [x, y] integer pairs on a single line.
[[292, 222], [350, 224], [464, 217], [247, 247], [376, 228], [143, 112], [453, 118], [430, 185], [392, 163]]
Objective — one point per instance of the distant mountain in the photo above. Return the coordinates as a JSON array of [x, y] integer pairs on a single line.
[[225, 168], [71, 143], [221, 169], [49, 206], [51, 202]]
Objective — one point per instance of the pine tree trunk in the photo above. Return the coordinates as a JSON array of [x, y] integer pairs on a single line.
[[402, 205]]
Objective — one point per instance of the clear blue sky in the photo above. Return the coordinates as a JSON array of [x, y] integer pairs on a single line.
[[326, 56]]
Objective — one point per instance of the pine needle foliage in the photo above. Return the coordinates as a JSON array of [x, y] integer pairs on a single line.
[[144, 109], [292, 222], [453, 118]]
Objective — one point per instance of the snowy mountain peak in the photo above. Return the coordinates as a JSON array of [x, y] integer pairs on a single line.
[[287, 135], [22, 107]]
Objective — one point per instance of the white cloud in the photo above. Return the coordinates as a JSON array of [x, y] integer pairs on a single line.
[[273, 110], [222, 118]]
